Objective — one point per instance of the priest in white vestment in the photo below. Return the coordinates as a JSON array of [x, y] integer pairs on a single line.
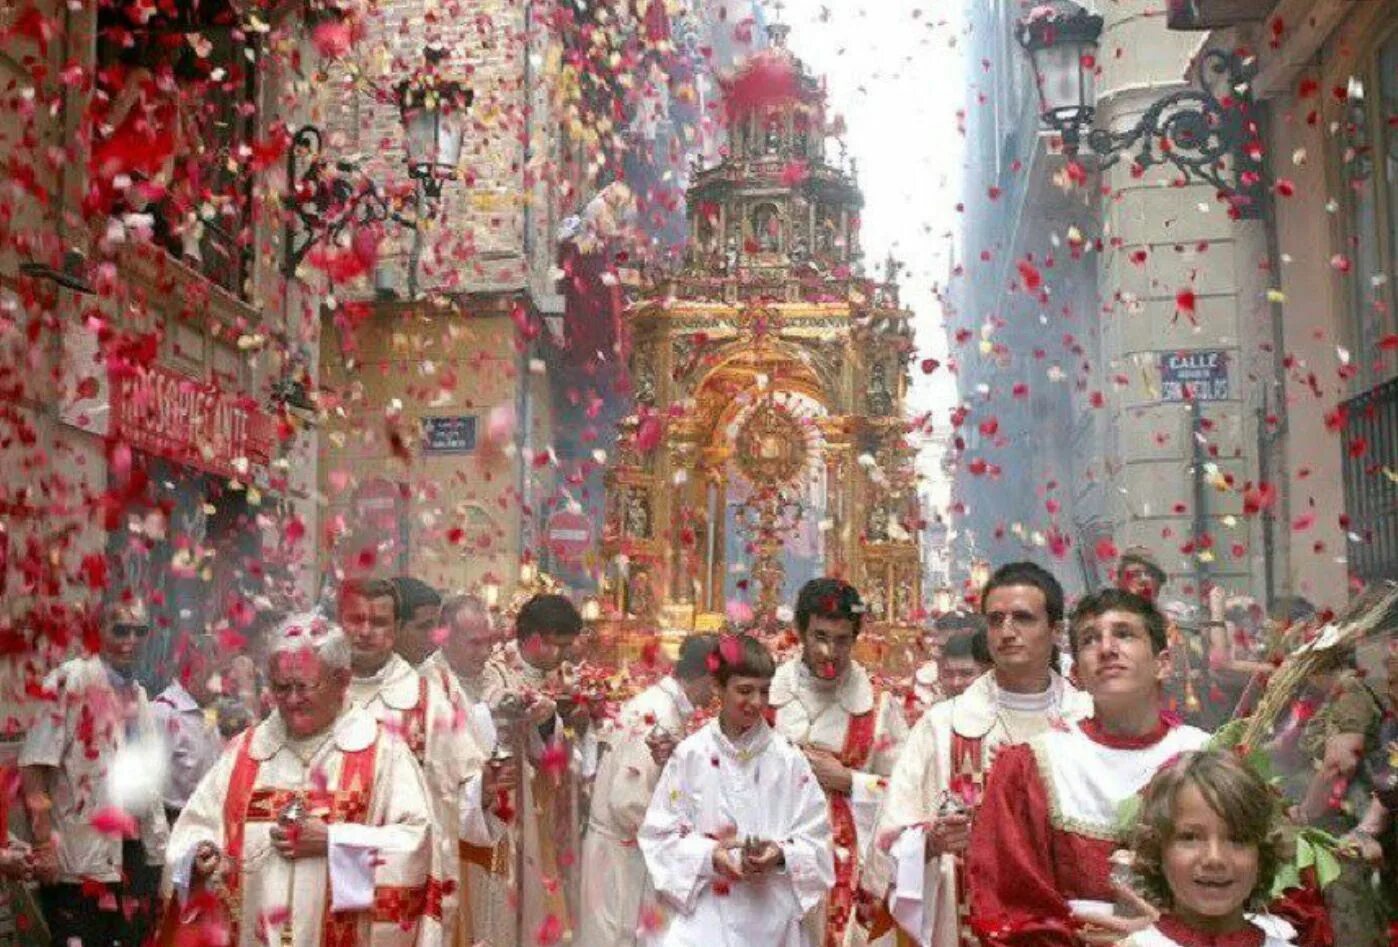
[[937, 783], [314, 827], [617, 898], [737, 837], [1040, 859], [559, 754], [826, 704], [429, 712], [486, 916]]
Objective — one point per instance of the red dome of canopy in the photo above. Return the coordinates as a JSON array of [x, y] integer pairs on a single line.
[[769, 79]]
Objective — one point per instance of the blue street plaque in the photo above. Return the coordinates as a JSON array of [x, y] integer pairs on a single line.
[[1200, 375], [449, 435]]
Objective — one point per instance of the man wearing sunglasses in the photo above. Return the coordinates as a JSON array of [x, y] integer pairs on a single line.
[[97, 885]]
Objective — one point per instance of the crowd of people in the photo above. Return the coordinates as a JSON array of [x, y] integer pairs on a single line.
[[401, 770]]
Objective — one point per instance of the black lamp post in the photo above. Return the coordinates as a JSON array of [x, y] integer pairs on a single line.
[[1208, 131], [327, 197]]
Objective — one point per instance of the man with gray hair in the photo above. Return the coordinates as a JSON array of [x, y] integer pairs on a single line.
[[486, 915], [315, 827]]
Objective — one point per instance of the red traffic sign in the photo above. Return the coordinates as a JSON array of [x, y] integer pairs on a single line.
[[569, 534]]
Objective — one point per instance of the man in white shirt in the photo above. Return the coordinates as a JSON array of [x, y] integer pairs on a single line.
[[617, 901], [937, 784], [419, 612], [182, 715], [82, 766], [428, 711], [558, 747]]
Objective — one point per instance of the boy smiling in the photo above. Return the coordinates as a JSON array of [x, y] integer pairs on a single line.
[[737, 839]]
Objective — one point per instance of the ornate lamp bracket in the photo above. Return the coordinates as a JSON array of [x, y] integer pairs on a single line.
[[325, 199], [1209, 132]]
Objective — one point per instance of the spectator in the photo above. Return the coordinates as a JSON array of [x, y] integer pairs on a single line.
[[190, 736], [95, 885]]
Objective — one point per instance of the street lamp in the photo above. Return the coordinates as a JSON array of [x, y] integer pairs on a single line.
[[1208, 131], [432, 110], [327, 197], [1061, 40]]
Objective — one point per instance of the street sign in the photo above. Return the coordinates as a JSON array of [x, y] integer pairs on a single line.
[[1200, 375], [455, 434], [569, 534]]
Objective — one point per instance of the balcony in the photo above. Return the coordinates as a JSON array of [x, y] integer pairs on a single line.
[[1370, 445], [1215, 14]]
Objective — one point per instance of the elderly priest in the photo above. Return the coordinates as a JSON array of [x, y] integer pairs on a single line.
[[314, 827]]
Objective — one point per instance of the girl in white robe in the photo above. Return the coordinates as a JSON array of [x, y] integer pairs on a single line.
[[731, 783]]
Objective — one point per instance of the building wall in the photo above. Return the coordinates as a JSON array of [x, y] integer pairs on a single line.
[[476, 241], [487, 253], [1017, 489], [464, 513], [1307, 79], [1191, 246], [61, 500]]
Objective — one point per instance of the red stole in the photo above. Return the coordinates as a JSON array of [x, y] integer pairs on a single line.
[[1185, 936], [859, 745], [415, 722]]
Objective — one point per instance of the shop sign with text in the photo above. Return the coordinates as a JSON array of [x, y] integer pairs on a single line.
[[162, 412]]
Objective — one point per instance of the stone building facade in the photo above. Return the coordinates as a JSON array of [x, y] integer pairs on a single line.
[[145, 323]]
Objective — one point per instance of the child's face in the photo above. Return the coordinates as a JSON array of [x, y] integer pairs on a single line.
[[744, 701], [1210, 875]]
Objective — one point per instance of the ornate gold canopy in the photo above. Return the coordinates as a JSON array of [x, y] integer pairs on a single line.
[[778, 373]]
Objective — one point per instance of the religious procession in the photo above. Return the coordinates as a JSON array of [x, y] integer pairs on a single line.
[[698, 473]]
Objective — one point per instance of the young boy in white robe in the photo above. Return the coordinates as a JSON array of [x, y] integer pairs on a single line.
[[1207, 845], [737, 837]]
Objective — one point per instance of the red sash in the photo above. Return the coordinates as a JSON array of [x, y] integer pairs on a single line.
[[859, 745], [415, 722]]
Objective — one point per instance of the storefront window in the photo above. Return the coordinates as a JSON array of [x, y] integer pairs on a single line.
[[190, 550]]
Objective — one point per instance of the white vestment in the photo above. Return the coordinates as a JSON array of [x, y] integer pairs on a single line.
[[428, 712], [615, 886], [544, 839], [486, 915], [371, 888], [924, 898], [759, 786], [813, 712]]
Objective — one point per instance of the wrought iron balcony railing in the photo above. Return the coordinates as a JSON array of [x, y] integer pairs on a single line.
[[1370, 446]]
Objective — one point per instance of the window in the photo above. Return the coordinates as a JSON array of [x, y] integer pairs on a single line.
[[174, 106], [1368, 165]]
